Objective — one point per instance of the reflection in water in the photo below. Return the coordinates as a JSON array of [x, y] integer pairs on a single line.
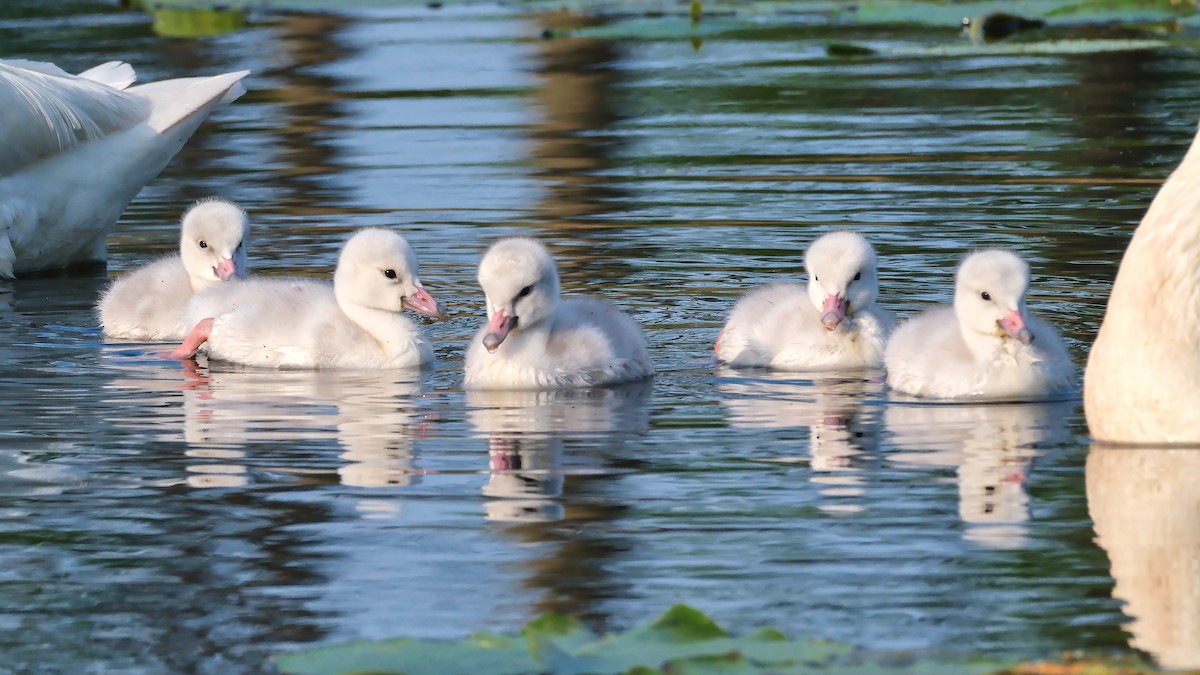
[[575, 145], [373, 415], [1145, 507], [574, 141], [526, 431], [551, 456], [525, 478], [993, 446], [667, 176], [310, 114], [843, 432]]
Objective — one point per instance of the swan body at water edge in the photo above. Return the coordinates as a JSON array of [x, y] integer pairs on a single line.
[[1142, 384], [353, 323], [148, 303], [830, 323], [76, 149], [536, 340], [987, 346]]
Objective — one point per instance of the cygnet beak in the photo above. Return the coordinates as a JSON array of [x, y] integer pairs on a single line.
[[422, 302], [226, 269], [1013, 326], [500, 325], [833, 312]]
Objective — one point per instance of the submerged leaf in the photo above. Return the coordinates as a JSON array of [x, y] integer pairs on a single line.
[[1043, 48], [849, 49]]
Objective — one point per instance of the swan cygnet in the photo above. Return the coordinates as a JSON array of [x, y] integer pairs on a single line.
[[987, 346], [354, 323], [535, 340], [148, 303], [76, 149], [832, 323]]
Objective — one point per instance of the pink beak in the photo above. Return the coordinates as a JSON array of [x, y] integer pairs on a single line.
[[498, 329], [1013, 326], [834, 311], [226, 269], [423, 303]]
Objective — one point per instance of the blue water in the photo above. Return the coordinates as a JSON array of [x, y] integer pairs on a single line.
[[159, 518]]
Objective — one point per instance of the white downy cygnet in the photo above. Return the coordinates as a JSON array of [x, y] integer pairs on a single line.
[[832, 323], [355, 322], [148, 303], [987, 346], [535, 340]]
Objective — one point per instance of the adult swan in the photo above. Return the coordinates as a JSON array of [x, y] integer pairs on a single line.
[[1142, 384], [76, 149]]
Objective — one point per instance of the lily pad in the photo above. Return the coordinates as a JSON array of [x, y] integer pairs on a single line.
[[412, 657], [682, 640], [1040, 48], [663, 28], [179, 22]]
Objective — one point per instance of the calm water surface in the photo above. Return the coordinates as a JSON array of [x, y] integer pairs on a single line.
[[158, 517]]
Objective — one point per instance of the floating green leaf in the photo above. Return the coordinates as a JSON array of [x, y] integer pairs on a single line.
[[175, 22], [682, 640], [660, 28], [411, 657], [1102, 9]]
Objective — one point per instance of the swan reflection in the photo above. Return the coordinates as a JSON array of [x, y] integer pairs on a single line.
[[1145, 508], [992, 446], [526, 432], [843, 432], [374, 416]]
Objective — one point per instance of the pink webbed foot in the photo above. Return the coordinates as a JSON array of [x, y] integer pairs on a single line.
[[191, 344]]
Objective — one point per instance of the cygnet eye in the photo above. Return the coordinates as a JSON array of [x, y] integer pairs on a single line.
[[525, 291], [391, 274], [203, 244], [857, 276], [986, 296], [816, 278]]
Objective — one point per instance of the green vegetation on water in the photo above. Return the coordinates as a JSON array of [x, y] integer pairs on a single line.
[[681, 640], [1024, 27]]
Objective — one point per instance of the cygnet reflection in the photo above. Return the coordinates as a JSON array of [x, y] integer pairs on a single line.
[[843, 432], [527, 431], [992, 445], [1145, 509], [374, 416]]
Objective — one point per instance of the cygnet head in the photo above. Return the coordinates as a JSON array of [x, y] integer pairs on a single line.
[[989, 294], [842, 276], [378, 270], [212, 242], [520, 282]]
